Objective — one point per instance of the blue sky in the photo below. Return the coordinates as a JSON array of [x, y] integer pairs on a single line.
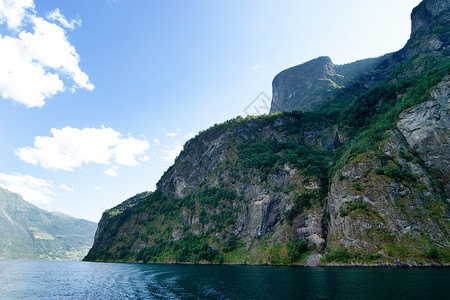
[[98, 97]]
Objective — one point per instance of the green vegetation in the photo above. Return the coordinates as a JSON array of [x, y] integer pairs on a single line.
[[352, 206], [269, 155], [398, 174], [344, 256], [303, 202], [190, 248], [433, 252], [343, 212], [340, 255], [214, 208], [297, 248]]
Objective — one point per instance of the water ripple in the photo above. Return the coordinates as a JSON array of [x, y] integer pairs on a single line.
[[81, 280]]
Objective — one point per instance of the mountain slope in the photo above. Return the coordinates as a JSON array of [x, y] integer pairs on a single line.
[[27, 232], [361, 179]]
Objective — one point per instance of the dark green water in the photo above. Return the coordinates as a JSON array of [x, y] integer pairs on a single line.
[[82, 280]]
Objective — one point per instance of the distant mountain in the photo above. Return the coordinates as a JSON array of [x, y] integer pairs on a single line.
[[28, 232], [353, 168]]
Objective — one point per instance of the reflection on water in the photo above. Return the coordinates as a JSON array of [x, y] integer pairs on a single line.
[[82, 280]]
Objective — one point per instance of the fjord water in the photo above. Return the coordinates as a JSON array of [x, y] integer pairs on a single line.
[[83, 280]]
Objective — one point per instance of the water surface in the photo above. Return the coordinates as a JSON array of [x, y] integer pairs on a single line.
[[85, 280]]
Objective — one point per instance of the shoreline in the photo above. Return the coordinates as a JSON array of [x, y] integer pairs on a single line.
[[330, 265]]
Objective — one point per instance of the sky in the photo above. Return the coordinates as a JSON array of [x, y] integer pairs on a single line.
[[97, 98]]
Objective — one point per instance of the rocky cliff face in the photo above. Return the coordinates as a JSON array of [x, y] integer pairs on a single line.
[[308, 86], [363, 179], [426, 130], [430, 20], [237, 198]]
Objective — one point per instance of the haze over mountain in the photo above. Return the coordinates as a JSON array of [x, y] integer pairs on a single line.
[[353, 168], [28, 232]]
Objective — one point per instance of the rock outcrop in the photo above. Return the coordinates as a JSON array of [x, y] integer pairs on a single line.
[[426, 130]]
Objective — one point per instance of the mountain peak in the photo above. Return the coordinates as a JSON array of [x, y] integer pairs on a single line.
[[429, 14], [430, 23], [305, 86]]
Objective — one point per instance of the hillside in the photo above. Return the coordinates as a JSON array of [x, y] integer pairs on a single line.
[[360, 176], [28, 232]]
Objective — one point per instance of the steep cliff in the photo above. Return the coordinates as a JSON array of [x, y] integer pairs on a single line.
[[308, 86], [363, 179], [242, 202]]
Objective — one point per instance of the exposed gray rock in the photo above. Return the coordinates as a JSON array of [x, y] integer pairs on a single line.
[[428, 30], [368, 210], [313, 260], [426, 128]]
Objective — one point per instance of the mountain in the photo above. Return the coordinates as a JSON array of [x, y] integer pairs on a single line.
[[28, 232], [353, 168]]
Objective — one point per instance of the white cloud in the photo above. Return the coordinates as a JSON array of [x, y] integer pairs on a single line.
[[126, 150], [71, 148], [255, 67], [30, 188], [97, 188], [65, 187], [169, 155], [112, 171], [17, 73], [34, 64], [13, 12], [155, 141], [172, 134]]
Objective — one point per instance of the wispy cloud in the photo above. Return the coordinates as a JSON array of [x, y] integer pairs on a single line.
[[57, 16], [43, 60], [97, 188], [255, 67], [172, 134], [32, 189], [71, 148], [66, 188]]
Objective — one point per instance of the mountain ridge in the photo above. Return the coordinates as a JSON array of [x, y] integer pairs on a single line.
[[28, 232]]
